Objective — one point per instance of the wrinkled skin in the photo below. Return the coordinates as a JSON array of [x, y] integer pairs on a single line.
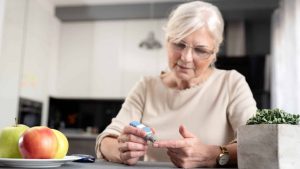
[[131, 145], [188, 152]]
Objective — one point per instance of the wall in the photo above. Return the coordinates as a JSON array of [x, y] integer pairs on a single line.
[[13, 13]]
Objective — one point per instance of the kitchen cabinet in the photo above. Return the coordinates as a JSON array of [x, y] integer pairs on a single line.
[[74, 62], [82, 113], [82, 144], [11, 37], [29, 47], [103, 60], [106, 60], [39, 53]]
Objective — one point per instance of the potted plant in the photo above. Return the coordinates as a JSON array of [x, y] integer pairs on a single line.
[[269, 140]]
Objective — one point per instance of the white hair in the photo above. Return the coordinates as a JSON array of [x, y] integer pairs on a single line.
[[189, 17]]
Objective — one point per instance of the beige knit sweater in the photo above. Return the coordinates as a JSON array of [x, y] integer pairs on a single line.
[[212, 110]]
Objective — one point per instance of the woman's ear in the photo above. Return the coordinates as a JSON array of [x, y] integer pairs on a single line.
[[166, 42], [213, 61]]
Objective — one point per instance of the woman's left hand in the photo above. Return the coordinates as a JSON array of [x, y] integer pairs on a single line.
[[189, 152]]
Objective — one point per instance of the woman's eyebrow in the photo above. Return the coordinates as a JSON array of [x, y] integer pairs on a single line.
[[201, 46], [196, 46]]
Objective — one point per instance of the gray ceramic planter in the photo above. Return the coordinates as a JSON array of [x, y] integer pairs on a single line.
[[269, 146]]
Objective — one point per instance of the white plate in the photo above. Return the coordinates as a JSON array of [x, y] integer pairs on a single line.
[[35, 163]]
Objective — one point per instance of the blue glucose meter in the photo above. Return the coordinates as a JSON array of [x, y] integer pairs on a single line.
[[149, 134]]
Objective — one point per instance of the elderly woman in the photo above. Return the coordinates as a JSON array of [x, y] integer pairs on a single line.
[[194, 109]]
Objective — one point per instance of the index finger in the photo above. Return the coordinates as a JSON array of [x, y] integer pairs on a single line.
[[170, 144], [135, 131]]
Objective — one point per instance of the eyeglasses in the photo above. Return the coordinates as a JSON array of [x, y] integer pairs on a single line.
[[200, 52]]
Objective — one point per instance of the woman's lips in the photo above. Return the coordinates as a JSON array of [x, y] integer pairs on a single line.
[[183, 67]]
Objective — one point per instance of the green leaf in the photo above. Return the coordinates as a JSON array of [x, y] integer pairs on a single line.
[[273, 116]]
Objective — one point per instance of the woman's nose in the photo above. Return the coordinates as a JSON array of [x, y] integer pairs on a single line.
[[187, 54]]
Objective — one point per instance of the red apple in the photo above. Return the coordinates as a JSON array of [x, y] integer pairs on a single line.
[[38, 143]]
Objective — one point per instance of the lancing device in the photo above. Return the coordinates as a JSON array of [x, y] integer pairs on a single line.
[[149, 134]]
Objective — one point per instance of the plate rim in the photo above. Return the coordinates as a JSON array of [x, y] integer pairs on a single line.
[[36, 163], [66, 158]]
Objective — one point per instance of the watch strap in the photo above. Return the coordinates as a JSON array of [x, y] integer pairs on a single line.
[[223, 150], [223, 157]]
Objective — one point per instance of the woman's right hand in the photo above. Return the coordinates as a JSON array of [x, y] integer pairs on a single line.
[[131, 145]]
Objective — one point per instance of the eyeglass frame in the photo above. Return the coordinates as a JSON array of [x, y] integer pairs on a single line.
[[186, 46]]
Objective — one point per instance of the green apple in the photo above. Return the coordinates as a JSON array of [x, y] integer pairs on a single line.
[[9, 141], [63, 144]]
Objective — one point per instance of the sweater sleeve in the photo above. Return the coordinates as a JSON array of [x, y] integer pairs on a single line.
[[132, 109], [241, 105]]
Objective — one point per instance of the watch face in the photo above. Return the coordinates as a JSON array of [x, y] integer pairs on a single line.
[[223, 159]]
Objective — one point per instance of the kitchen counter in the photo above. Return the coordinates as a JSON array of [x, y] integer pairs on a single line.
[[102, 164], [81, 142], [81, 136]]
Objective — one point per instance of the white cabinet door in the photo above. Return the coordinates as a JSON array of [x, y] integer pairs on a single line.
[[106, 63], [12, 29], [76, 50], [36, 56]]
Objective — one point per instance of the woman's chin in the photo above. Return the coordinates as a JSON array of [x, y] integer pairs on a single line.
[[183, 76]]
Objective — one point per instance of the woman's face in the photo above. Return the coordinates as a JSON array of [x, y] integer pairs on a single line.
[[191, 57]]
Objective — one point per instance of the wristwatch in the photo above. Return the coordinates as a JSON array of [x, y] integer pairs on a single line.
[[223, 157]]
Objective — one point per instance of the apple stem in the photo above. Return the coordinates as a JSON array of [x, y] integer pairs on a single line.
[[16, 121]]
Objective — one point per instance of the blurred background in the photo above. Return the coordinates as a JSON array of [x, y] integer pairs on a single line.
[[69, 64]]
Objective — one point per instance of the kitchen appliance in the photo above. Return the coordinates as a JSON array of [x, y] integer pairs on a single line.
[[30, 112]]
